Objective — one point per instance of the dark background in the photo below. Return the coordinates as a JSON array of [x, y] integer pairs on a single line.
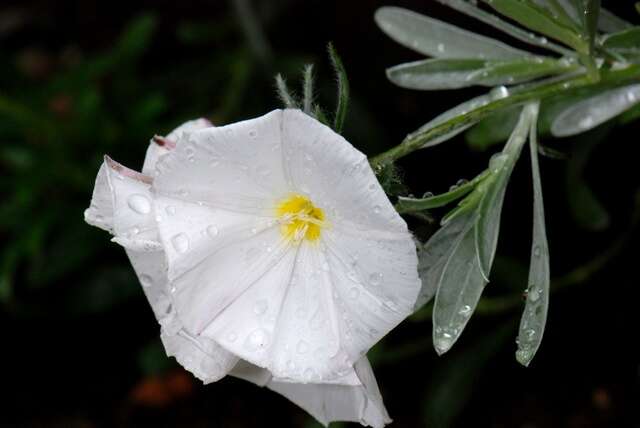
[[79, 345]]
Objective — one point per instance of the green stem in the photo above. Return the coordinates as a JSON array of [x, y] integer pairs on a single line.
[[519, 95]]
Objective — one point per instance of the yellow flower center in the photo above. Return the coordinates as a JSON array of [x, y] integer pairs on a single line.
[[300, 218]]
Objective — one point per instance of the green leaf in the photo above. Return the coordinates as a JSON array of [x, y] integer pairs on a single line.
[[625, 43], [534, 316], [516, 32], [593, 111], [445, 73], [494, 129], [610, 23], [459, 281], [537, 18], [418, 204], [490, 209], [435, 38], [343, 89]]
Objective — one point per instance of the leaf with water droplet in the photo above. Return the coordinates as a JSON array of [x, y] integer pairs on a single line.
[[540, 19], [490, 209], [406, 204], [595, 110], [460, 282], [445, 73], [470, 9], [625, 43], [435, 38], [534, 316], [610, 23]]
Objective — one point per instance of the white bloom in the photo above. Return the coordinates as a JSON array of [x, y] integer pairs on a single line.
[[268, 251]]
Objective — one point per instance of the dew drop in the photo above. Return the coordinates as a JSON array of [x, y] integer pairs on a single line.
[[253, 133], [260, 307], [212, 231], [170, 209], [537, 251], [377, 209], [533, 294], [440, 47], [354, 293], [426, 195], [465, 310], [145, 280], [180, 242], [499, 92], [139, 203], [497, 161], [302, 347], [258, 340], [309, 373], [232, 337], [375, 278]]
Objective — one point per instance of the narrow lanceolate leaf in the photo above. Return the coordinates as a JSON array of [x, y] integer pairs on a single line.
[[435, 38], [593, 111], [460, 282], [539, 19], [439, 73], [514, 31], [534, 317], [490, 209], [343, 88], [625, 43], [467, 239], [418, 204], [433, 256], [610, 23]]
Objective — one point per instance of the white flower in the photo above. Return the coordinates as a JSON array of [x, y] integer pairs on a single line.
[[268, 251]]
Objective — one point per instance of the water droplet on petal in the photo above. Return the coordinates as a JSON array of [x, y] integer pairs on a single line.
[[302, 347], [212, 231], [180, 242], [258, 340], [139, 203], [377, 209], [375, 278], [354, 293], [170, 209], [232, 337], [145, 280], [260, 307]]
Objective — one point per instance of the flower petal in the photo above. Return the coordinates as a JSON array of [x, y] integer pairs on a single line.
[[157, 149], [356, 402], [245, 156], [335, 175], [374, 284], [121, 203]]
